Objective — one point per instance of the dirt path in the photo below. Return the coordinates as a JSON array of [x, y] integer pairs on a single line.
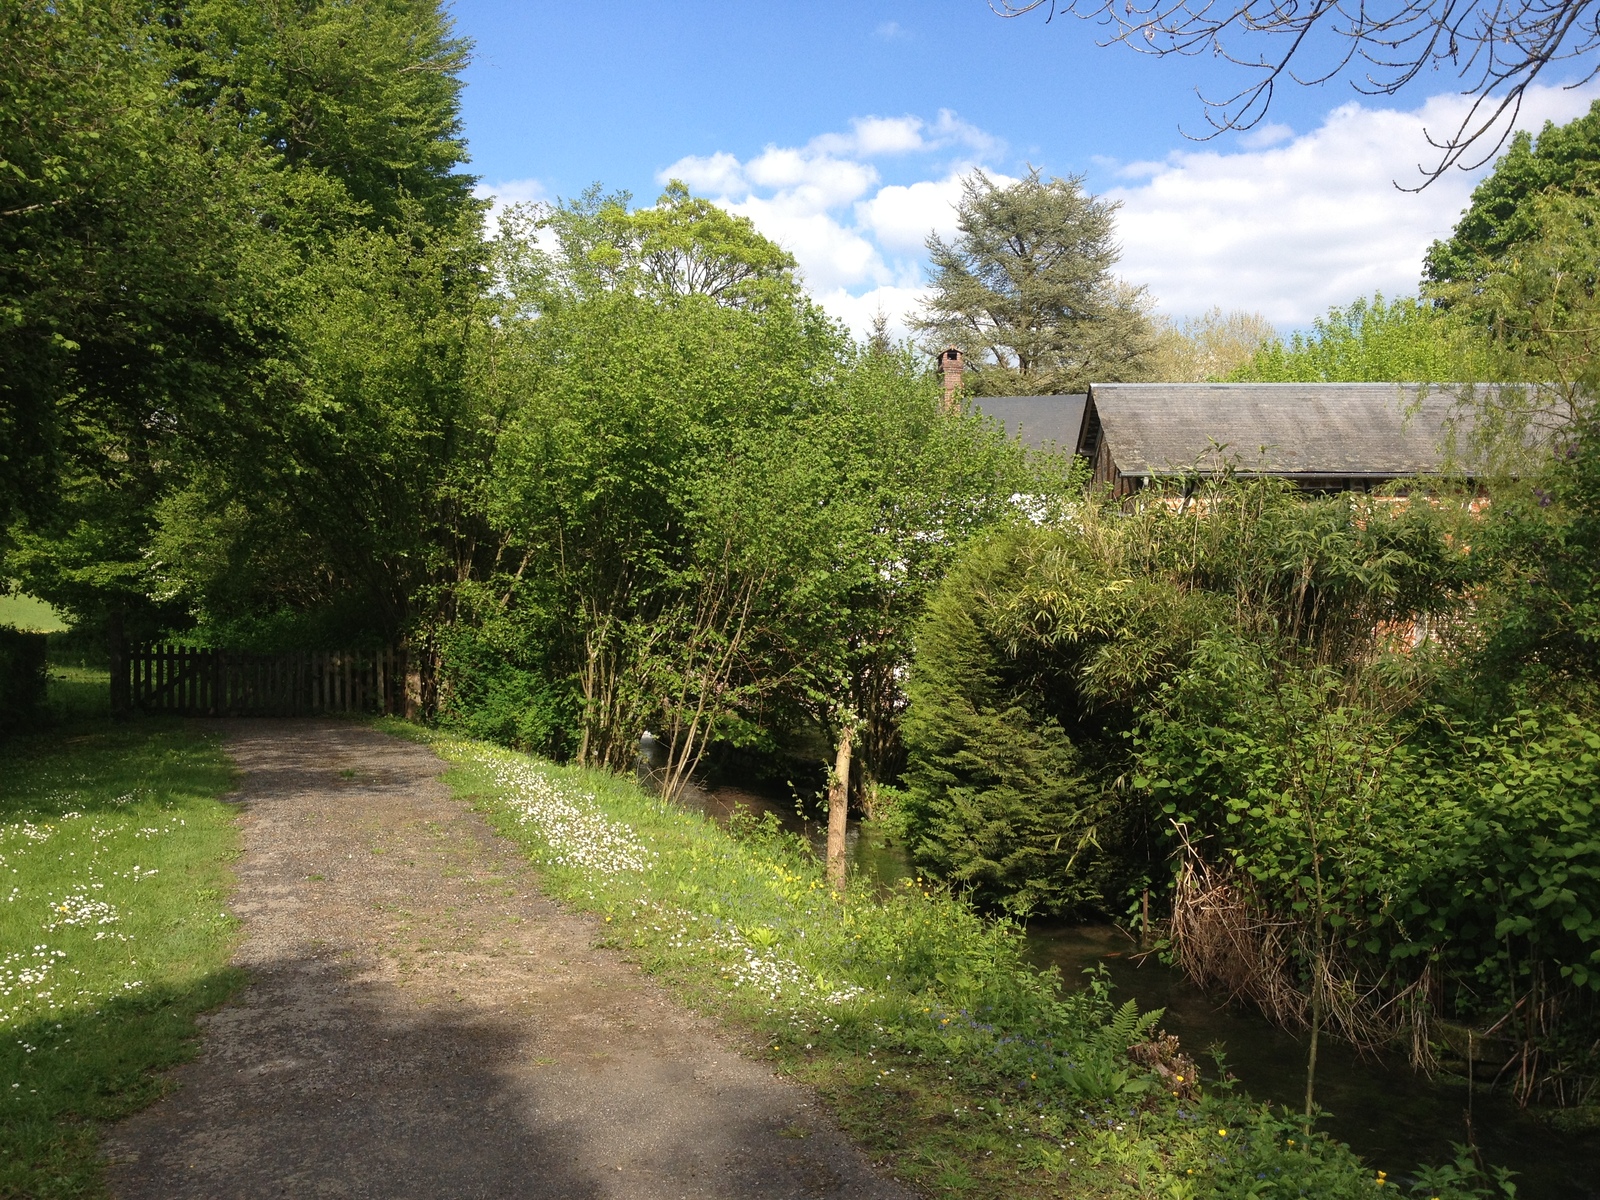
[[422, 1022]]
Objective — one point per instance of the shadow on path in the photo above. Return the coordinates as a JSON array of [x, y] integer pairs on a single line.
[[422, 1022]]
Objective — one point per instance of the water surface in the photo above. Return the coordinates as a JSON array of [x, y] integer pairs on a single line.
[[1390, 1115]]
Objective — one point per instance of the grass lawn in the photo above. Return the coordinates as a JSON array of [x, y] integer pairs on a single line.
[[114, 853], [961, 1068], [30, 614]]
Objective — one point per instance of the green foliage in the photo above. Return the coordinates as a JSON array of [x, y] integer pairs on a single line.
[[1405, 848], [127, 818], [1026, 290], [22, 678], [362, 94], [714, 514], [1047, 644], [120, 250], [1503, 214], [1540, 618], [499, 685], [271, 185], [682, 246], [920, 1022], [1001, 802], [1374, 341]]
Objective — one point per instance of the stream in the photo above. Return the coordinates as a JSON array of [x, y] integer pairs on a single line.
[[1388, 1114]]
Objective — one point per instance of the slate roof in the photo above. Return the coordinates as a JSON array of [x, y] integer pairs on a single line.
[[1374, 430], [1040, 420]]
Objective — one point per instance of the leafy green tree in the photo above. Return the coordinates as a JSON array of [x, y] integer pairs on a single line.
[[339, 494], [1026, 289], [1375, 341], [1564, 159], [682, 246], [904, 485], [123, 308], [1540, 542], [362, 95], [640, 471], [294, 162]]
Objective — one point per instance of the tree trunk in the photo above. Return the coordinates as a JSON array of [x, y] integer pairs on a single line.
[[1318, 969], [839, 809]]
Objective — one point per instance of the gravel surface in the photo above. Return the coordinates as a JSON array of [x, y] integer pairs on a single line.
[[421, 1021]]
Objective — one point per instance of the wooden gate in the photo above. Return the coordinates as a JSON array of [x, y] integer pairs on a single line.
[[229, 683]]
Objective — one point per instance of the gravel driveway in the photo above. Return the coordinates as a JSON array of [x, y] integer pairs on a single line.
[[421, 1021]]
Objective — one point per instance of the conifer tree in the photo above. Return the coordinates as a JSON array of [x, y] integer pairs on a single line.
[[1026, 290]]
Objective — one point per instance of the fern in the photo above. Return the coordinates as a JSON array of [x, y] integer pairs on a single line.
[[1129, 1025]]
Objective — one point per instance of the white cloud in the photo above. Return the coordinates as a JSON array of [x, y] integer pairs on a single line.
[[859, 243], [831, 256], [890, 30], [506, 193], [1290, 229], [950, 129], [901, 216], [1263, 136], [872, 136], [719, 173], [815, 180]]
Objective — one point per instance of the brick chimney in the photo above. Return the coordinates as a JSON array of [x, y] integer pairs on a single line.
[[954, 365]]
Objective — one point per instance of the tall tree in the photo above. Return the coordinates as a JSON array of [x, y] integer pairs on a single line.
[[119, 264], [1503, 213], [363, 95], [681, 246], [1026, 289], [253, 176]]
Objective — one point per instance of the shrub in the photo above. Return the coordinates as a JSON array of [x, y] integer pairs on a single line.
[[22, 678]]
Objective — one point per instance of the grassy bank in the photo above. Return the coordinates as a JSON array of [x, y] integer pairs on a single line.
[[113, 872], [964, 1070]]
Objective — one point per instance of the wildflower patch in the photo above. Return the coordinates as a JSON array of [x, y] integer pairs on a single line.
[[81, 909], [112, 935], [566, 820]]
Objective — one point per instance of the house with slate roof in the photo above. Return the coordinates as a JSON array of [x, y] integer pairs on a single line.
[[1323, 436]]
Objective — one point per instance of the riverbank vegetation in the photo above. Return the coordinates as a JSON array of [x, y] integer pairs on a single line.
[[114, 850], [1345, 747], [945, 1055]]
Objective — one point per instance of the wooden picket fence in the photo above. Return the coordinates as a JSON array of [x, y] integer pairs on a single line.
[[229, 683]]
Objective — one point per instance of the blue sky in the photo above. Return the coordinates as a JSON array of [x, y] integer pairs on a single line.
[[842, 129]]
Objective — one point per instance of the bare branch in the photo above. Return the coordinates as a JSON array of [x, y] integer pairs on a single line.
[[33, 208], [1495, 48]]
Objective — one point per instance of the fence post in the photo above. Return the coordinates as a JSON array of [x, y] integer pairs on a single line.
[[121, 697], [413, 701]]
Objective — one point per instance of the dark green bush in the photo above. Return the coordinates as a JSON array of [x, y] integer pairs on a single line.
[[495, 687], [1001, 802], [22, 678]]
